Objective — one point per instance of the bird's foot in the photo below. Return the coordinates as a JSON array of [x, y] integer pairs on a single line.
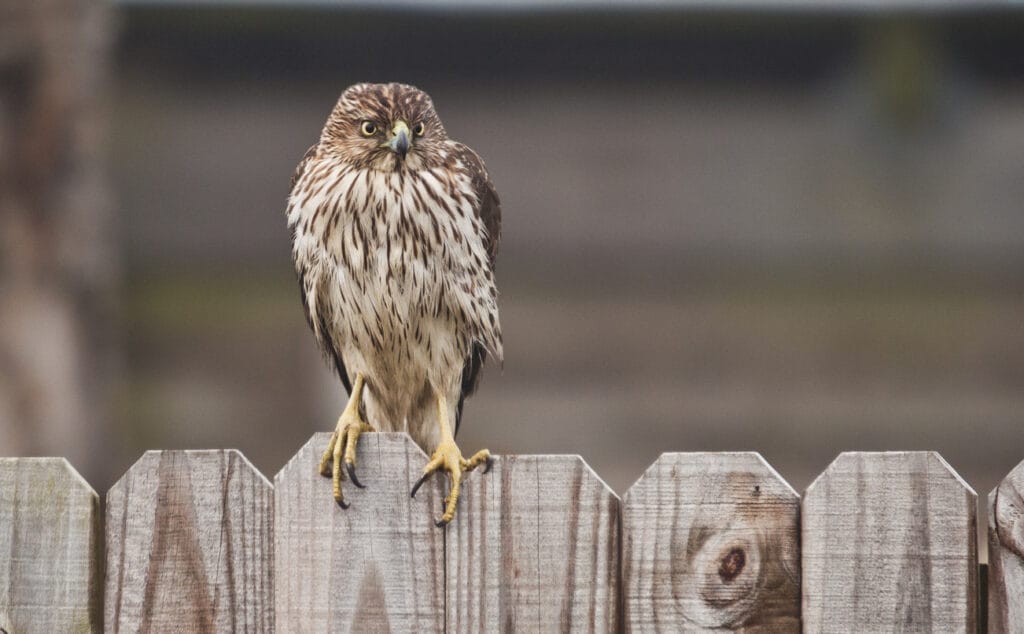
[[342, 449], [448, 457]]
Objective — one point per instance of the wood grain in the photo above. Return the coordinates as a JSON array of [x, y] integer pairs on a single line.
[[710, 541], [189, 539], [1006, 554], [50, 541], [375, 567], [889, 544], [534, 548]]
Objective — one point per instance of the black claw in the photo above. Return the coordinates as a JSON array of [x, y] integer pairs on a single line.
[[419, 483], [351, 468], [440, 523], [343, 504], [490, 463]]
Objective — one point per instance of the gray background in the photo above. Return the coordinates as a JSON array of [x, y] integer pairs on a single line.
[[791, 231]]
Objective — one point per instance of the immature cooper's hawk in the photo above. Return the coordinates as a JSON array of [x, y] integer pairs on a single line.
[[394, 234]]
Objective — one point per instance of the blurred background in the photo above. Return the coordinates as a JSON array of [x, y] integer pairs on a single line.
[[795, 229]]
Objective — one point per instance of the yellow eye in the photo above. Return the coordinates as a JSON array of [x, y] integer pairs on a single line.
[[368, 128], [418, 129]]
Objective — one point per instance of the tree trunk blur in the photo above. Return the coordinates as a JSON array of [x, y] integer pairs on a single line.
[[57, 262]]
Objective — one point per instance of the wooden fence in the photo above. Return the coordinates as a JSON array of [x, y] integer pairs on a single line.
[[200, 541]]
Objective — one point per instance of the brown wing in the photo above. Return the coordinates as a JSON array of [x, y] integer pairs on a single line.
[[301, 167], [489, 207], [305, 288], [489, 211]]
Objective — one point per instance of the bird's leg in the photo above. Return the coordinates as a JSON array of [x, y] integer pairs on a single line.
[[448, 456], [342, 446]]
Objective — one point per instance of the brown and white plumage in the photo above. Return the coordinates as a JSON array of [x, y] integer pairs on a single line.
[[394, 252]]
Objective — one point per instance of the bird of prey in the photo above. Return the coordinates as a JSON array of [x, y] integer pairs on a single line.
[[395, 231]]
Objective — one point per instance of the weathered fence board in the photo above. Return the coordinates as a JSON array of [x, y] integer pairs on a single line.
[[710, 541], [377, 566], [534, 547], [1006, 554], [706, 541], [50, 544], [889, 544], [189, 545]]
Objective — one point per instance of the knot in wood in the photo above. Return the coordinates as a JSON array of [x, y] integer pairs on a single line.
[[732, 564]]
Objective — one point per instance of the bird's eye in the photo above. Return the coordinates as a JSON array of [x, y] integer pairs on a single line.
[[418, 129], [368, 128]]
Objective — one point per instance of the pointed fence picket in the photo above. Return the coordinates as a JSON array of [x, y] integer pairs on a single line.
[[199, 541], [189, 545], [377, 566], [889, 543], [535, 547], [1006, 554], [50, 548], [711, 541]]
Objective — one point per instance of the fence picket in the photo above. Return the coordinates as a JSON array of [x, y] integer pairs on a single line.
[[377, 566], [189, 539], [50, 540], [1006, 554], [710, 541], [889, 544], [534, 547], [201, 541]]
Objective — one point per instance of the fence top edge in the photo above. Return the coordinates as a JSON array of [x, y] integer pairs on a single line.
[[956, 474], [320, 439], [559, 457], [1016, 473], [677, 455], [1011, 481], [151, 454], [56, 461], [588, 469], [930, 455]]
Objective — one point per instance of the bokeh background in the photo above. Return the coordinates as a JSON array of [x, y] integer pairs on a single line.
[[795, 229]]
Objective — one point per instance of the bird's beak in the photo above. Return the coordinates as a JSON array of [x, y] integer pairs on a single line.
[[400, 138]]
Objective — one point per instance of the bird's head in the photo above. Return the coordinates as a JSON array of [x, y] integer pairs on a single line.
[[385, 127]]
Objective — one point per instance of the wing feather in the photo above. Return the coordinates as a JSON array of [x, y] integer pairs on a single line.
[[488, 209], [489, 206], [318, 319], [301, 167]]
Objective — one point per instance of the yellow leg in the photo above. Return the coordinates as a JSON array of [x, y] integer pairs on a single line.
[[448, 457], [342, 446]]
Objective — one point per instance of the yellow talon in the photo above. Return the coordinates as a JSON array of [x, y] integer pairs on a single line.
[[448, 456], [342, 446]]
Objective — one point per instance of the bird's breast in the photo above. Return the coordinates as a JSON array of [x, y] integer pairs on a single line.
[[397, 250]]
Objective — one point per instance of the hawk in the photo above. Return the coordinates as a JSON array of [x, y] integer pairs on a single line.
[[395, 231]]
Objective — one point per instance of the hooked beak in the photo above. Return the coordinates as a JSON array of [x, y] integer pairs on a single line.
[[400, 139]]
